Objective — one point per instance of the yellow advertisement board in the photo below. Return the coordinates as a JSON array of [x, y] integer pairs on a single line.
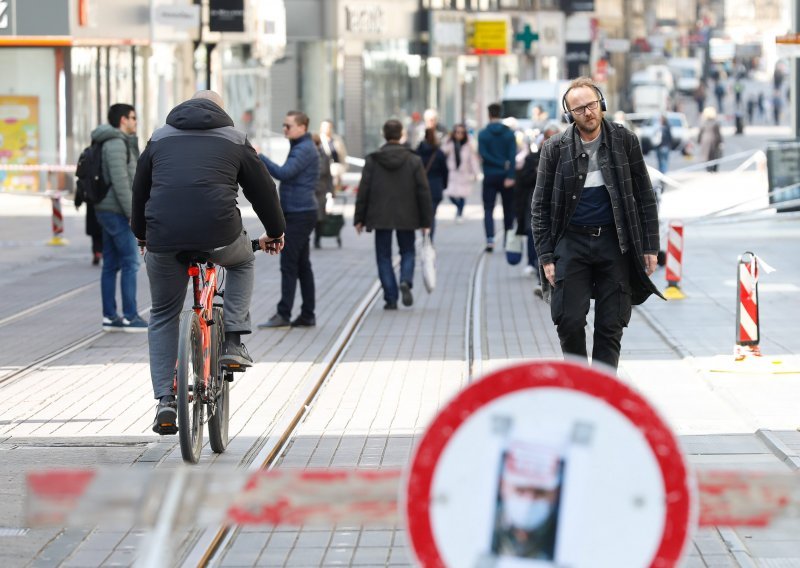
[[487, 37], [19, 141]]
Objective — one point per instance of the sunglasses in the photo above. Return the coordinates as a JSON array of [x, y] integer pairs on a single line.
[[287, 126]]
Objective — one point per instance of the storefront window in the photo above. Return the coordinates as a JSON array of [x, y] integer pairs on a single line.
[[393, 87]]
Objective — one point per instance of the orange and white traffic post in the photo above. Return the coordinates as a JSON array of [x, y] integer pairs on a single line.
[[674, 263], [748, 331]]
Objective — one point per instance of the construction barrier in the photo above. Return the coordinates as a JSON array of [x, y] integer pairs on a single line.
[[58, 222], [748, 332], [674, 264]]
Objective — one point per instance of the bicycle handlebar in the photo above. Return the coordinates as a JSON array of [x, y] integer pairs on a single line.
[[257, 246]]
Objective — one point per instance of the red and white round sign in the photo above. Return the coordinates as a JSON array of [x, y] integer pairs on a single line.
[[548, 463]]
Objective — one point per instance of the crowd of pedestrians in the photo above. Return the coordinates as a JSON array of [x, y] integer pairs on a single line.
[[402, 185]]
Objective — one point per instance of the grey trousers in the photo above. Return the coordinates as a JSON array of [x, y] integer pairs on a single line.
[[168, 284]]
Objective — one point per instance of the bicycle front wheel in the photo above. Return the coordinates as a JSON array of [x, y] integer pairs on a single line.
[[218, 421], [190, 382]]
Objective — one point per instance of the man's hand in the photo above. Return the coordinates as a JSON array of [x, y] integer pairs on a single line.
[[359, 228], [550, 273], [650, 263], [508, 182], [426, 231], [270, 245], [142, 245]]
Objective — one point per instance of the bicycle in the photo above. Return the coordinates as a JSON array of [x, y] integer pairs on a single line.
[[201, 382]]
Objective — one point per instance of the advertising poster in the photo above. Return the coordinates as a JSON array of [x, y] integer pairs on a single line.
[[19, 141]]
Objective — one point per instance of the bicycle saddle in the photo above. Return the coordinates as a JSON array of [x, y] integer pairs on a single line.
[[193, 256]]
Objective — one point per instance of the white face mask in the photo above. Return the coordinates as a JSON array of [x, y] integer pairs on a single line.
[[525, 513]]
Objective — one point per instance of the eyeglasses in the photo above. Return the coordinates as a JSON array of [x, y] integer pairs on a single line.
[[582, 109], [287, 126]]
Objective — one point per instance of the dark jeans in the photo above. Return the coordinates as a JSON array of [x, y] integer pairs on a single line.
[[492, 185], [120, 255], [587, 267], [459, 203], [383, 256], [296, 264]]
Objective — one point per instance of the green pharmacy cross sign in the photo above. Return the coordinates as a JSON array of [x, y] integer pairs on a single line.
[[527, 36]]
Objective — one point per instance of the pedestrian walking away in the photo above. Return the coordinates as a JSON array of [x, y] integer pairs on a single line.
[[498, 149], [394, 197], [665, 144], [463, 168], [188, 179], [523, 197], [595, 225], [710, 138], [93, 228], [323, 190], [298, 176], [334, 147], [435, 170], [120, 150]]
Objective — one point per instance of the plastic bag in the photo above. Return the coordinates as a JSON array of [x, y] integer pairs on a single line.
[[427, 257], [513, 247]]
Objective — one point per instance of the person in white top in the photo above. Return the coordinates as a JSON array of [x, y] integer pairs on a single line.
[[463, 166]]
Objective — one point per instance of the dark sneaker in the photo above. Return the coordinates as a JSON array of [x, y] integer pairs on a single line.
[[275, 322], [537, 291], [405, 293], [235, 357], [166, 422], [390, 306], [489, 247], [114, 324], [304, 322], [135, 325]]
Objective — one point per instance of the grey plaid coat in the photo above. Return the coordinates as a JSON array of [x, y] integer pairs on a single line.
[[558, 190]]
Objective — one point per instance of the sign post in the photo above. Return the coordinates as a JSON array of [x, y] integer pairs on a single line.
[[548, 464]]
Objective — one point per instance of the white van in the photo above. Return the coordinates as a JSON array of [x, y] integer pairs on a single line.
[[519, 100], [688, 72]]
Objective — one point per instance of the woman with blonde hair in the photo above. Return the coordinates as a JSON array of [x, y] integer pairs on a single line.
[[710, 138]]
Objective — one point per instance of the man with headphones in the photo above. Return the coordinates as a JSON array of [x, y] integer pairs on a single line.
[[595, 225]]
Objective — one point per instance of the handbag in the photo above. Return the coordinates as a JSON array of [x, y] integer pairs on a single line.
[[513, 247], [427, 257]]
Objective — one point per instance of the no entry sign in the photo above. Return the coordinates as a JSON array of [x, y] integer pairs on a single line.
[[548, 463]]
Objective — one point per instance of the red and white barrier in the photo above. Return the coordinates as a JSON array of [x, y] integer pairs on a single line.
[[57, 222], [748, 333], [674, 265]]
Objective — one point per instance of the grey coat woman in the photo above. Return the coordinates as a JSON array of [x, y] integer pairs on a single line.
[[710, 138]]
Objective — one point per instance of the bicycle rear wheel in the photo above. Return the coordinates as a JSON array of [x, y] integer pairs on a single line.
[[218, 421], [190, 381]]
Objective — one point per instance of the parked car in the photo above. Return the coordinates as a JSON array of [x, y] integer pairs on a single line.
[[650, 131]]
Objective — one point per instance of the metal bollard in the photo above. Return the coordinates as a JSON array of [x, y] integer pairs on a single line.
[[57, 221], [674, 264], [748, 333]]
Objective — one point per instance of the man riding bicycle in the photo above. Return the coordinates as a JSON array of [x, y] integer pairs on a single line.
[[184, 198]]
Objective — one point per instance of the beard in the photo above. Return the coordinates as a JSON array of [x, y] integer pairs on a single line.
[[588, 127]]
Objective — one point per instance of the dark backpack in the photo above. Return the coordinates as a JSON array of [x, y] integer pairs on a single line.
[[91, 187]]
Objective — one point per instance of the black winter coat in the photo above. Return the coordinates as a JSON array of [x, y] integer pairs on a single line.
[[394, 192], [437, 172], [188, 178]]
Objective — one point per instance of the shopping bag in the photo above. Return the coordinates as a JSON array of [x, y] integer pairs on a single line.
[[427, 257], [513, 247]]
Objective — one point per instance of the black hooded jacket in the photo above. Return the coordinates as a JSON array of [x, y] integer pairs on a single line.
[[187, 182], [394, 192]]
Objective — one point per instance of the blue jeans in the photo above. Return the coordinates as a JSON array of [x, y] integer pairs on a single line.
[[120, 254], [492, 185], [296, 265], [663, 158], [383, 256]]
